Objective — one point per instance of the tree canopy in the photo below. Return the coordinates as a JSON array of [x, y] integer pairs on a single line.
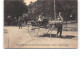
[[14, 8]]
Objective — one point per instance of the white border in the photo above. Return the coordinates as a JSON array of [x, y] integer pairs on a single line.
[[36, 52]]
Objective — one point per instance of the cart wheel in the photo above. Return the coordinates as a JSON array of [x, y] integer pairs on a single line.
[[33, 30]]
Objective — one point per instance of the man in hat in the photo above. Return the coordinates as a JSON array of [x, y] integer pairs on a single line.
[[59, 25], [40, 19], [20, 22], [9, 20]]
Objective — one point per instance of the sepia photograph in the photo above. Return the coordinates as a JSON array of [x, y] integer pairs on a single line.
[[40, 24]]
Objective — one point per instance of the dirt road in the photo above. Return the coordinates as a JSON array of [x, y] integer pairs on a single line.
[[20, 38]]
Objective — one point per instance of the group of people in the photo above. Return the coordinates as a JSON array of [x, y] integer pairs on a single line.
[[12, 21], [58, 22], [16, 21], [20, 20]]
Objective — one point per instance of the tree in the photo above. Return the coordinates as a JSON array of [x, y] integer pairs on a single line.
[[14, 8]]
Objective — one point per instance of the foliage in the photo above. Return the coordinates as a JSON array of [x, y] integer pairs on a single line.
[[14, 8]]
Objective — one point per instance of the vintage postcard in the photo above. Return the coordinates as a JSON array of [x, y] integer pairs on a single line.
[[40, 23]]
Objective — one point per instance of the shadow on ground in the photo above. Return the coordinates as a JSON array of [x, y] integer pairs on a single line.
[[54, 36]]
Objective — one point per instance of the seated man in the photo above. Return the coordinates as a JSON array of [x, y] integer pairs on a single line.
[[40, 19]]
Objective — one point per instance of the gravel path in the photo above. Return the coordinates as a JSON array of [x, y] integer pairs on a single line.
[[20, 38]]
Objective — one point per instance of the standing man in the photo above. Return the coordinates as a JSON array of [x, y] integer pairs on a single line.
[[9, 20], [20, 22], [59, 24], [15, 21]]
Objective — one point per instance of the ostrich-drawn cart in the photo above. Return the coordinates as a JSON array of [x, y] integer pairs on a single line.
[[36, 28]]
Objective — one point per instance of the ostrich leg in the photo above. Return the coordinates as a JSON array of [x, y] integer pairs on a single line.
[[51, 32]]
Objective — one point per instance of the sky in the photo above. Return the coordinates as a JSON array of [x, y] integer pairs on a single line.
[[28, 1]]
